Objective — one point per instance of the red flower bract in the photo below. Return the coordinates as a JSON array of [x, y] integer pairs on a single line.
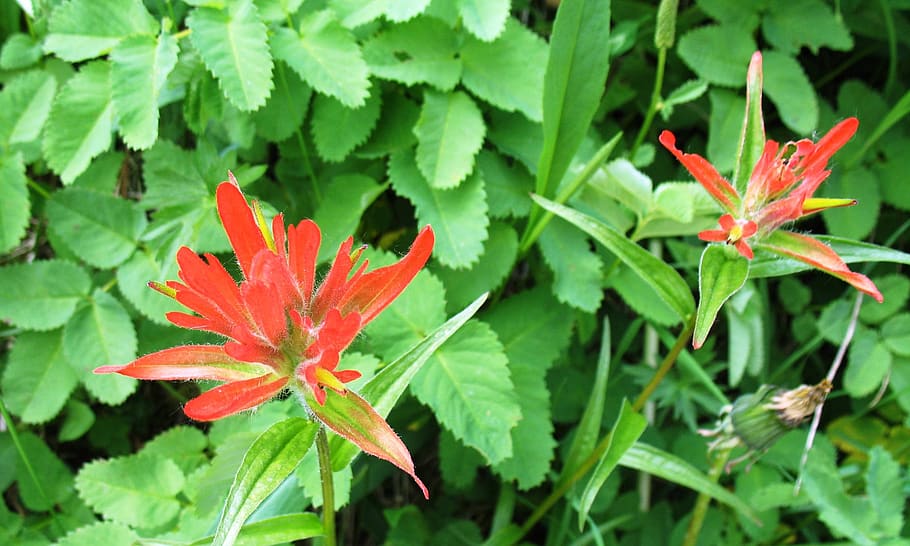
[[281, 330]]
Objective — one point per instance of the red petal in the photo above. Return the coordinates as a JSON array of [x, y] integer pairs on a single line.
[[833, 141], [267, 311], [713, 235], [727, 222], [749, 229], [705, 173], [188, 362], [333, 285], [744, 249], [303, 248], [240, 225], [335, 333], [234, 397]]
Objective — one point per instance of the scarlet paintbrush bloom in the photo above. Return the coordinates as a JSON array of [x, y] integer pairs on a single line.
[[779, 191]]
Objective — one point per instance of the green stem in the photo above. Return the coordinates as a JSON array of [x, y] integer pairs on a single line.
[[703, 500], [665, 366], [655, 102], [328, 488], [38, 188]]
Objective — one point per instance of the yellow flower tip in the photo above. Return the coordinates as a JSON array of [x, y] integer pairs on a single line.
[[815, 204], [264, 227], [355, 255], [163, 289], [326, 378]]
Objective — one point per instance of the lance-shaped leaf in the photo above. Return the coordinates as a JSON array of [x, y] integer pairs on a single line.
[[271, 459], [767, 264], [352, 417], [721, 273], [752, 139]]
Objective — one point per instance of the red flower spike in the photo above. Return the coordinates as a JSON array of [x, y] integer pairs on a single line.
[[240, 224], [232, 398]]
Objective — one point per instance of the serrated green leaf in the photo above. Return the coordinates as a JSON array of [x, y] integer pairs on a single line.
[[394, 130], [37, 380], [499, 253], [271, 459], [79, 126], [532, 342], [577, 270], [449, 134], [851, 251], [883, 483], [83, 29], [458, 464], [183, 444], [15, 208], [99, 333], [846, 516], [78, 420], [508, 72], [784, 26], [484, 18], [337, 130], [508, 186], [101, 229], [321, 46], [424, 50], [788, 87], [283, 113], [100, 532], [467, 385], [858, 221], [721, 273], [25, 104], [55, 480], [102, 174], [140, 66], [19, 51], [413, 315], [172, 176], [46, 293], [133, 277], [339, 213], [718, 54], [458, 216], [138, 490], [868, 362], [354, 13], [234, 46], [516, 136]]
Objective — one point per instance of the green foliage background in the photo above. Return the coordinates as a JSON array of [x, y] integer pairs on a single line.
[[119, 117]]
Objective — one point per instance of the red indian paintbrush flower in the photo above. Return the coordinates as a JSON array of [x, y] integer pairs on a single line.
[[282, 331], [780, 190]]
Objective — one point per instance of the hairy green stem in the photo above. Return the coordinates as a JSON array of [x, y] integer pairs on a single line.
[[703, 500], [655, 102], [328, 488]]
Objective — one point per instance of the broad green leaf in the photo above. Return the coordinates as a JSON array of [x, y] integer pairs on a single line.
[[516, 136], [100, 532], [283, 113], [414, 314], [14, 207], [271, 459], [172, 176], [449, 133], [721, 273], [19, 51], [424, 50], [137, 490], [508, 72], [394, 130], [573, 85], [45, 295], [665, 465], [337, 129], [635, 292], [140, 66], [468, 386], [788, 87], [99, 333], [25, 103], [55, 480], [896, 290], [234, 46], [339, 213], [766, 264], [274, 530], [508, 186], [83, 29], [78, 419], [458, 463], [388, 385], [883, 484], [717, 53], [103, 174], [577, 270], [403, 10], [725, 134], [133, 277], [79, 126], [37, 380], [484, 18], [184, 445], [858, 221], [316, 52], [846, 516], [499, 253], [627, 429], [868, 363], [354, 13], [688, 91], [671, 288], [276, 10], [785, 26], [101, 229], [896, 334], [532, 343], [458, 216]]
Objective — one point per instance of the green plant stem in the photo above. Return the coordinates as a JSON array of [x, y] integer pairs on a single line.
[[328, 487], [37, 188], [655, 102], [563, 486], [703, 500]]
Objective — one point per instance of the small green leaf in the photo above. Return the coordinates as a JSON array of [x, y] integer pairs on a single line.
[[172, 176], [896, 334], [858, 221], [283, 113], [345, 201], [234, 45], [883, 483], [101, 229], [83, 29], [100, 532], [577, 270], [394, 130], [846, 516], [469, 389], [19, 51], [449, 133], [484, 18], [329, 115], [25, 104], [868, 363], [458, 215], [721, 273], [184, 445], [321, 46], [424, 50], [627, 429], [132, 281], [138, 490], [37, 380], [784, 26], [508, 186], [78, 420], [14, 207], [56, 481], [896, 290], [79, 126], [788, 87], [46, 293], [717, 53]]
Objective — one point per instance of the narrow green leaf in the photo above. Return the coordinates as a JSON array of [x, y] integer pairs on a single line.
[[79, 126], [141, 65], [234, 46], [83, 29], [37, 380], [329, 115], [721, 273], [752, 139], [767, 264], [275, 530], [271, 459], [46, 293], [15, 208], [484, 18], [338, 215], [449, 134], [316, 52], [664, 465], [627, 429], [25, 104], [671, 288]]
